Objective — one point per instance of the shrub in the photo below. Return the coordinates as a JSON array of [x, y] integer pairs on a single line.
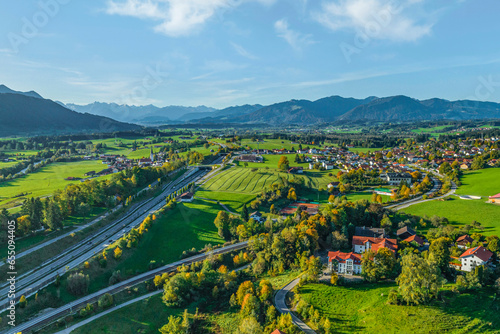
[[78, 284], [105, 301]]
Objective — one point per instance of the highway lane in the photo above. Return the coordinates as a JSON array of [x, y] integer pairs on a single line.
[[55, 314], [29, 283]]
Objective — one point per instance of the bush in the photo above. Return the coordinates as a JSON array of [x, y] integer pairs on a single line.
[[394, 298], [78, 284], [105, 301]]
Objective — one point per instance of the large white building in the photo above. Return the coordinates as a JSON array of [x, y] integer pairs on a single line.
[[346, 263], [474, 257]]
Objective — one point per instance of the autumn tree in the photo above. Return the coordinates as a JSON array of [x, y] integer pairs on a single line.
[[283, 163], [419, 281]]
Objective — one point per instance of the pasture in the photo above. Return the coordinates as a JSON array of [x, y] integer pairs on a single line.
[[44, 181], [483, 183], [364, 309]]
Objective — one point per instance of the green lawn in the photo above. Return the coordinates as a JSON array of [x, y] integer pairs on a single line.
[[483, 183], [461, 212], [356, 196], [363, 309], [46, 180], [233, 201]]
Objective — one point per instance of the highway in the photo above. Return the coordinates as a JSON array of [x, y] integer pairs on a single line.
[[55, 314], [32, 281]]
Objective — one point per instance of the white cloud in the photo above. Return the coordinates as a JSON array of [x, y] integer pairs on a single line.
[[295, 39], [401, 20], [177, 17], [243, 52]]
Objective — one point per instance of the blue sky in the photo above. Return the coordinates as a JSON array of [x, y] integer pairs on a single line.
[[227, 52]]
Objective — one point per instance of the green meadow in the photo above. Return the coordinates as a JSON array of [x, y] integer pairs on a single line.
[[44, 181], [483, 183], [364, 309]]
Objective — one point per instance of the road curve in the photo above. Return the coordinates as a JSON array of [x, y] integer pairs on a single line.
[[55, 314], [280, 302]]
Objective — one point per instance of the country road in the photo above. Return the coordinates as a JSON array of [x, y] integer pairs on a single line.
[[280, 302], [420, 199]]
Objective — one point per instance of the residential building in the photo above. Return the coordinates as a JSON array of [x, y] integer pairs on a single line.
[[344, 263], [372, 232], [257, 216], [296, 170], [405, 232], [415, 238], [396, 178], [464, 241], [474, 257], [361, 244]]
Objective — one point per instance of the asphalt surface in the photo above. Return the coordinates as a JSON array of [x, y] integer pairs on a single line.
[[280, 302], [55, 314], [32, 281]]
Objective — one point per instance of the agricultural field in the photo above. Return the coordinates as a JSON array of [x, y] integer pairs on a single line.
[[477, 183], [364, 309], [44, 181], [244, 180], [435, 131]]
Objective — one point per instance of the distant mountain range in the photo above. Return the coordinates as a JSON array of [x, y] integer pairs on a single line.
[[305, 112], [29, 113]]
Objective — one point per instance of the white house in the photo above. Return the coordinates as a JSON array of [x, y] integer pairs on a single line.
[[361, 244], [473, 257], [257, 216], [345, 263]]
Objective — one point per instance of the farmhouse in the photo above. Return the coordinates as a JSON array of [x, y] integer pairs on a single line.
[[346, 263], [494, 199], [405, 232], [361, 244], [296, 170], [415, 238], [333, 185], [473, 257], [464, 241], [257, 216], [187, 197]]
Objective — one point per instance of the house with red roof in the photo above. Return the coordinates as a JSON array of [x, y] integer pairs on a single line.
[[464, 241], [415, 238], [345, 263], [474, 257], [361, 244], [494, 199], [277, 331]]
